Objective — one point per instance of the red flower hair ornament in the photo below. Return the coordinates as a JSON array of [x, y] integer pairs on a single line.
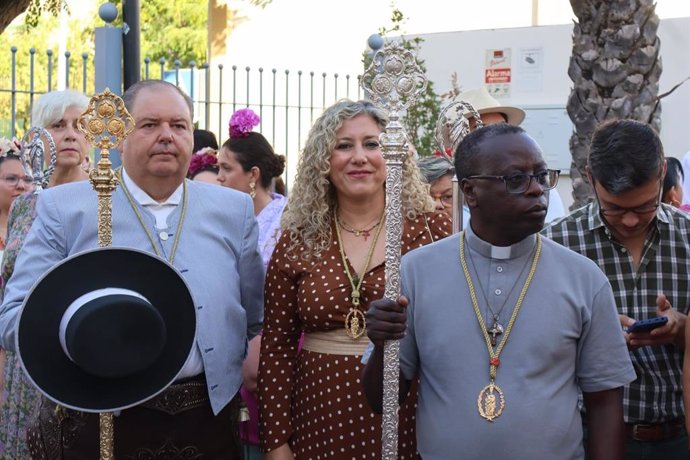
[[243, 122]]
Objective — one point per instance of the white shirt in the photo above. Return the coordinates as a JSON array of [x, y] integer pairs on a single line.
[[161, 211]]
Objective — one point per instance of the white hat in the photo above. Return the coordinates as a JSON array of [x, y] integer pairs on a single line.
[[483, 103]]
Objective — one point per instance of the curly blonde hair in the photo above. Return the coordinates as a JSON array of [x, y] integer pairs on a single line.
[[312, 200]]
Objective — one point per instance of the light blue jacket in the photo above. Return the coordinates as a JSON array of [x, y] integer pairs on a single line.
[[217, 256]]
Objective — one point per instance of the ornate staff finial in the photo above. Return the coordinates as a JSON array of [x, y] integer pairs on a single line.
[[33, 155], [452, 125], [393, 81], [105, 123]]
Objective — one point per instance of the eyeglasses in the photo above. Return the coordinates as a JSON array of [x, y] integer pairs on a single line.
[[619, 211], [446, 199], [12, 180], [520, 183]]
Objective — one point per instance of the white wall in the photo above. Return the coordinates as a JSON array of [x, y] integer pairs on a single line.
[[464, 53]]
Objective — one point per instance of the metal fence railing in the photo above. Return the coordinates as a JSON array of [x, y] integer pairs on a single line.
[[287, 101]]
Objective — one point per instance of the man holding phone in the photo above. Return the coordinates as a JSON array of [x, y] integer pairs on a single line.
[[642, 246]]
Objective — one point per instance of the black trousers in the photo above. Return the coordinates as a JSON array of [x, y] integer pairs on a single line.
[[139, 432]]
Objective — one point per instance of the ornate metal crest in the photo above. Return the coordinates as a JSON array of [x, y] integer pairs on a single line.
[[33, 156]]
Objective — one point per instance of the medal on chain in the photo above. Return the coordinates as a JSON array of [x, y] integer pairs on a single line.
[[491, 400]]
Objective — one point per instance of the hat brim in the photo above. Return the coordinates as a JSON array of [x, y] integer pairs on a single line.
[[514, 115], [38, 342]]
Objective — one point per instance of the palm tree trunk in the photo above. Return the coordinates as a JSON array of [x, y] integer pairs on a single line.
[[615, 69]]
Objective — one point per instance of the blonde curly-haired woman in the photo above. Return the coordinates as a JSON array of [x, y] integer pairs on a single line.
[[327, 266]]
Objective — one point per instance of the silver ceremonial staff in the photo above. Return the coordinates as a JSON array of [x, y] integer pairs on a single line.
[[393, 81], [451, 127]]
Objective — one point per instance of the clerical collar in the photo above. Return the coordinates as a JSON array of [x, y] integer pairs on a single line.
[[144, 199], [513, 251]]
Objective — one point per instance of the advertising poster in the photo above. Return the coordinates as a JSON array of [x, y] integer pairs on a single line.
[[498, 72]]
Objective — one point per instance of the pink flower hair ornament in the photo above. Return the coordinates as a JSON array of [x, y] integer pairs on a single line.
[[243, 122], [13, 146], [203, 160]]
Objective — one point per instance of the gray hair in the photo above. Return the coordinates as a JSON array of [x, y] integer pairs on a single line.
[[434, 168], [50, 107], [131, 94]]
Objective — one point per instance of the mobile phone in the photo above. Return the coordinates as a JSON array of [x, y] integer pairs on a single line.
[[646, 325]]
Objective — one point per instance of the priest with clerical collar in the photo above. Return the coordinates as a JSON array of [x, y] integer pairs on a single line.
[[509, 327]]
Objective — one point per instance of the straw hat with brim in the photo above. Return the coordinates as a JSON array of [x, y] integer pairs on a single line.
[[483, 103], [106, 329]]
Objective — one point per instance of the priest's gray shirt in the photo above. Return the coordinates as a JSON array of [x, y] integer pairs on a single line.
[[566, 337], [217, 256]]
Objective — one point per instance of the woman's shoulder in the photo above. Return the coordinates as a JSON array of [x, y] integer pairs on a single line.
[[432, 226], [23, 206]]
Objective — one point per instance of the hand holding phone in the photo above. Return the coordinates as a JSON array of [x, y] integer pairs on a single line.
[[646, 325]]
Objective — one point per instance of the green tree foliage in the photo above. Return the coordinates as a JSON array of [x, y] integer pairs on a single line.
[[172, 30], [420, 120], [30, 84]]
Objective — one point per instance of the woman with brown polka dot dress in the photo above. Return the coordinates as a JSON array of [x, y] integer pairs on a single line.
[[327, 266]]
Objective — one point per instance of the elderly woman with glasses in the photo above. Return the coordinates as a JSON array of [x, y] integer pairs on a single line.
[[57, 112], [13, 182], [438, 172]]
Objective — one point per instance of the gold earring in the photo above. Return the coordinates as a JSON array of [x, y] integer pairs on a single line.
[[252, 189]]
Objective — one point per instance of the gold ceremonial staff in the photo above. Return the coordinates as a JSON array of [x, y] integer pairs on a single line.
[[393, 81], [105, 123]]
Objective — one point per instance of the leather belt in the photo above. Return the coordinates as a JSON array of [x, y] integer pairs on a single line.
[[181, 396], [655, 431]]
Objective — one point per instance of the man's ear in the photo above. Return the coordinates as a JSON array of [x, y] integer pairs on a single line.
[[469, 192]]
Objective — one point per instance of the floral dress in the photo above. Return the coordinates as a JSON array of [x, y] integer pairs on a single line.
[[314, 401], [21, 398]]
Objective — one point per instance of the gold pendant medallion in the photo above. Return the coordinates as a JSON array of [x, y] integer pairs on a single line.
[[355, 323], [491, 402]]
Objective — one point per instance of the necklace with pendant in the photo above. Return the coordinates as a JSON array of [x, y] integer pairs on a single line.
[[491, 400], [366, 232], [355, 322], [496, 328]]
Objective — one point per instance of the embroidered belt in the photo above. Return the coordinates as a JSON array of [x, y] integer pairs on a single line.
[[655, 432], [179, 397], [334, 342]]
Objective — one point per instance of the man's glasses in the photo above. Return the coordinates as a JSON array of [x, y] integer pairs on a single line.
[[12, 180], [520, 183], [619, 211]]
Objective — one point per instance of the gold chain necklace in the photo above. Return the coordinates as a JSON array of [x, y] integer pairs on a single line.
[[366, 233], [355, 322], [496, 327], [491, 401], [178, 231]]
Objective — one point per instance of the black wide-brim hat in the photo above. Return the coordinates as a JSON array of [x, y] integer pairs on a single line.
[[123, 349]]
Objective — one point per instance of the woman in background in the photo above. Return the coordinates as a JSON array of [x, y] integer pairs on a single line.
[[438, 172], [249, 164], [58, 112], [672, 192], [13, 182]]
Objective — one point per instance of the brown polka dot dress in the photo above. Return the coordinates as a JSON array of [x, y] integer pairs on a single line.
[[314, 401]]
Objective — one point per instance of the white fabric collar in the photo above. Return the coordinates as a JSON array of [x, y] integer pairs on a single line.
[[144, 199]]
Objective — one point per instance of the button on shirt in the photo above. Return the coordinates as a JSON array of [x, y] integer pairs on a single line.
[[161, 211], [657, 394]]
